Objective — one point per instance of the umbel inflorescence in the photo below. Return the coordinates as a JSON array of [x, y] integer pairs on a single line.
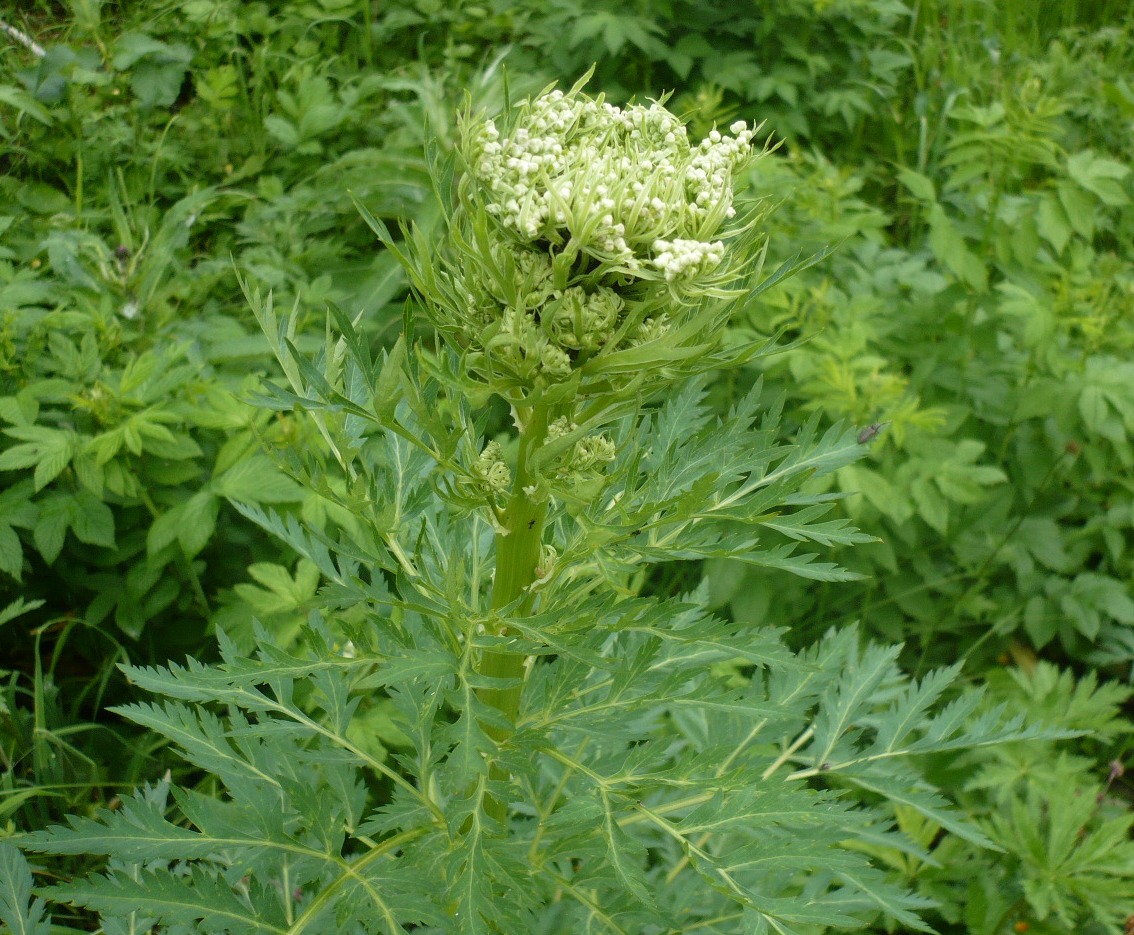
[[617, 181], [588, 246]]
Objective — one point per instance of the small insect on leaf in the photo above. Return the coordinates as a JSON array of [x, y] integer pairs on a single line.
[[866, 435]]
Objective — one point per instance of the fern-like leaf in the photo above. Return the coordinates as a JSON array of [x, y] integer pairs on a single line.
[[20, 914]]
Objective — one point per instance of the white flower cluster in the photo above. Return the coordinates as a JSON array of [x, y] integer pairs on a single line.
[[583, 239], [615, 180], [710, 169], [684, 259]]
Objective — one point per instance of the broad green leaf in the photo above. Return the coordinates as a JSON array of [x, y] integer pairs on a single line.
[[1052, 223], [49, 450], [931, 506], [257, 480], [1079, 209], [949, 247], [21, 409], [19, 99], [919, 185], [93, 521], [56, 514], [197, 522], [1101, 176], [1093, 407], [11, 552]]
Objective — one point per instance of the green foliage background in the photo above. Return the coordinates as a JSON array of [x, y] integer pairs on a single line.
[[968, 161]]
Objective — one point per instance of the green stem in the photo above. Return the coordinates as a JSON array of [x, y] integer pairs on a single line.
[[519, 548]]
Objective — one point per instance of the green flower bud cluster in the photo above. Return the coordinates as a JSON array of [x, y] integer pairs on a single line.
[[579, 319], [590, 249], [587, 456], [548, 557], [491, 471]]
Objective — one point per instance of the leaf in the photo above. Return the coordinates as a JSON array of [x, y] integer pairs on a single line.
[[1106, 594], [931, 506], [137, 832], [90, 473], [198, 522], [1051, 221], [157, 69], [18, 608], [199, 897], [21, 409], [949, 247], [54, 519], [783, 559], [23, 102], [191, 523], [801, 526], [52, 462], [11, 552], [895, 901], [1093, 407], [282, 129], [851, 694], [1079, 209], [1044, 540], [164, 529], [93, 521], [925, 801], [257, 480], [471, 890], [49, 450], [1055, 697], [919, 185], [627, 857], [20, 914], [1067, 860], [283, 593], [203, 741], [1100, 176], [430, 666]]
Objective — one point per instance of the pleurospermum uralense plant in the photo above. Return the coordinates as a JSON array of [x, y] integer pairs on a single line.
[[570, 755]]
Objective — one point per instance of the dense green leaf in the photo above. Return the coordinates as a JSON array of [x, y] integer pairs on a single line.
[[18, 911]]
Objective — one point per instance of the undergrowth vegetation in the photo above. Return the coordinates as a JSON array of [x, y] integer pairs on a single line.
[[827, 624]]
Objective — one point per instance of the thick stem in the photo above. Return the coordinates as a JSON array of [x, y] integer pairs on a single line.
[[519, 548]]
